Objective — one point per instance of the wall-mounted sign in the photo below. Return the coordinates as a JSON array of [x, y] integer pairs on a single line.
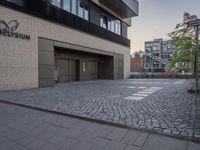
[[194, 23], [8, 29]]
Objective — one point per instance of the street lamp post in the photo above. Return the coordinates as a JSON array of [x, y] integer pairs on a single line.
[[152, 63], [197, 61], [196, 24]]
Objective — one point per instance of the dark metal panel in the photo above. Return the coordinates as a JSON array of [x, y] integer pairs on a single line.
[[47, 11], [92, 67], [66, 70], [94, 14], [124, 29]]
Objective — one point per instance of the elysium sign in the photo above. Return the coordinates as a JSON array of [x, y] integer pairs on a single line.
[[9, 30]]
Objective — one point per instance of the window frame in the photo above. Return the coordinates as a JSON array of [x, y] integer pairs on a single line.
[[12, 2], [83, 4]]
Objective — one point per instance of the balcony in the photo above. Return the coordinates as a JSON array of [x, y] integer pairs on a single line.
[[125, 8], [44, 10]]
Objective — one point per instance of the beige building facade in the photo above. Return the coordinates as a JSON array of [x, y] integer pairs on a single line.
[[30, 61]]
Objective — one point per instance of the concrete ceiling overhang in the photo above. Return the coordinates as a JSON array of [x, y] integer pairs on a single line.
[[124, 8]]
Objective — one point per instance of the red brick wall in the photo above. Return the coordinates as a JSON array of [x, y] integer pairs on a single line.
[[136, 64]]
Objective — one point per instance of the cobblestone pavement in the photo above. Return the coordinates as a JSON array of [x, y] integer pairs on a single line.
[[27, 129], [161, 105]]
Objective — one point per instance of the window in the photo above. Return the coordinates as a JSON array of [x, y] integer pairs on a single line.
[[66, 5], [80, 9], [113, 26], [118, 27], [83, 10], [86, 13], [56, 3], [104, 22], [17, 2], [110, 24], [74, 7]]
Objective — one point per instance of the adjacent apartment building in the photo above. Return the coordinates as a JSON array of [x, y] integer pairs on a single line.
[[44, 42], [157, 54], [137, 61]]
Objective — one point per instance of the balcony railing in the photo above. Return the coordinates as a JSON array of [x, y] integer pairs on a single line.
[[44, 10]]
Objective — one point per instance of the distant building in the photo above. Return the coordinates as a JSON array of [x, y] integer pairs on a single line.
[[167, 51], [137, 61], [159, 51]]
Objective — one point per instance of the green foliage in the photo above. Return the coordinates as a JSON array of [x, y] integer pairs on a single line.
[[183, 40]]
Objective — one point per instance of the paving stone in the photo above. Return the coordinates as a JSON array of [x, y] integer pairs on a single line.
[[103, 131], [86, 137], [193, 146], [18, 147], [99, 142], [134, 98], [69, 123], [14, 135], [73, 134], [37, 144], [46, 136], [26, 140], [141, 139], [117, 134], [129, 147], [51, 147], [58, 139], [2, 139], [114, 146], [80, 146], [7, 145], [131, 137], [4, 129], [164, 143], [168, 107]]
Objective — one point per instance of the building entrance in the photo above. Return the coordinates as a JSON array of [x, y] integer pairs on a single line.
[[65, 70]]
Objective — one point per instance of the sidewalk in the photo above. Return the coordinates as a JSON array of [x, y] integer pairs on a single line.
[[154, 105], [28, 129]]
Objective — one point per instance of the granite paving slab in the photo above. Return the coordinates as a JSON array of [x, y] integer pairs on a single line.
[[151, 105]]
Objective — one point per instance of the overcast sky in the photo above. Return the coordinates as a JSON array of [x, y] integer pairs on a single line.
[[157, 18]]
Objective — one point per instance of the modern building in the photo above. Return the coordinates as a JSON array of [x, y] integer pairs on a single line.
[[137, 61], [157, 53], [44, 42], [168, 51]]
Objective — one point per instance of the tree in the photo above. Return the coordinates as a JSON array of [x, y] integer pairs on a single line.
[[183, 40]]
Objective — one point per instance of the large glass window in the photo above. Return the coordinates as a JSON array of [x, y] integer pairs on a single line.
[[110, 24], [80, 9], [67, 5], [74, 7], [118, 27], [86, 13], [83, 10], [104, 22], [113, 26], [17, 2], [56, 3]]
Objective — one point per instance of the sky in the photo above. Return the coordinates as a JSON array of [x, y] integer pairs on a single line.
[[157, 18]]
